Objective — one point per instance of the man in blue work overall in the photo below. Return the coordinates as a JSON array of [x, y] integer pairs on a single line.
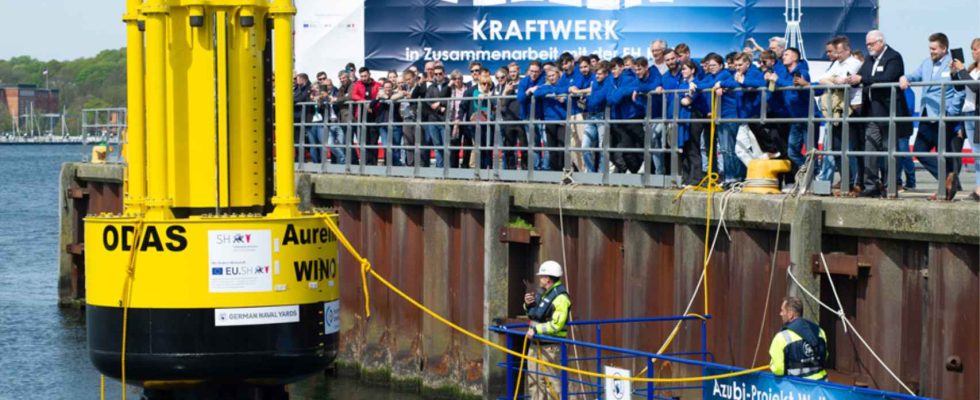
[[800, 348], [548, 311]]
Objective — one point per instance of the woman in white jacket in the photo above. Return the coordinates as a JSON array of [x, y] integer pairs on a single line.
[[747, 147], [970, 106]]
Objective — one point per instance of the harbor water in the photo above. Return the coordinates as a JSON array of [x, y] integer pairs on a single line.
[[43, 351]]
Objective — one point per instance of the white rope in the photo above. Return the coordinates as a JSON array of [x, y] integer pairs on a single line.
[[566, 179], [795, 191], [721, 224], [789, 271], [840, 306], [840, 312]]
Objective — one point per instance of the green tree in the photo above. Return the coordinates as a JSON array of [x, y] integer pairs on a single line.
[[98, 80]]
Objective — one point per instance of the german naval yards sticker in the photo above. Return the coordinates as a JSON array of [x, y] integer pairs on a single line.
[[239, 261], [256, 316]]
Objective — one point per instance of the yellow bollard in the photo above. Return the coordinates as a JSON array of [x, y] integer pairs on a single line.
[[763, 176]]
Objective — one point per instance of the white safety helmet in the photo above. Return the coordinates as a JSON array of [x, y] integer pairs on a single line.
[[550, 268]]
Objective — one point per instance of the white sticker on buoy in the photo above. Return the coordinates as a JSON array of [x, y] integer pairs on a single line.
[[331, 317], [617, 389], [239, 261], [256, 316]]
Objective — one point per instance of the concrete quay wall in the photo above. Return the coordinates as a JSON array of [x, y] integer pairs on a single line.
[[906, 271]]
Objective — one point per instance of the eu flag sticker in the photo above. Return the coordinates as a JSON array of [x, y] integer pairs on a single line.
[[216, 271]]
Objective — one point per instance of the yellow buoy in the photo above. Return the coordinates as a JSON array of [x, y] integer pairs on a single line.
[[210, 276]]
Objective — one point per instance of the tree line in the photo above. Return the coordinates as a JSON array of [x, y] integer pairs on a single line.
[[88, 82]]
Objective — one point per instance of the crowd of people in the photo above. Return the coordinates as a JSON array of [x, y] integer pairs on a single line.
[[539, 103]]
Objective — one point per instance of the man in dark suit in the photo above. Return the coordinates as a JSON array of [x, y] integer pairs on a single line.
[[884, 64], [510, 110], [435, 111], [462, 114], [413, 89]]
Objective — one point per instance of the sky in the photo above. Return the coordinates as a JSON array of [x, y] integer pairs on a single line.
[[60, 29]]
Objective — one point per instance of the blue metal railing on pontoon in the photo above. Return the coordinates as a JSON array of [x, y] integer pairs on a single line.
[[586, 388]]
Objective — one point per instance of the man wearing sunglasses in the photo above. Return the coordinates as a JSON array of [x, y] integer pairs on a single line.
[[435, 110]]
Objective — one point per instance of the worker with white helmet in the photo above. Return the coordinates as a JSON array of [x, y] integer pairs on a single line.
[[548, 310]]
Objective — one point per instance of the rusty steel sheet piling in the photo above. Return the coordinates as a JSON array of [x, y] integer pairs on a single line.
[[627, 253]]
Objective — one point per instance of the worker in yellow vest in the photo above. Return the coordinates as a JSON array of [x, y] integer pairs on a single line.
[[548, 310], [800, 348]]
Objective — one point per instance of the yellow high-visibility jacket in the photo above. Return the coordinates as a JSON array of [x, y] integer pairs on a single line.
[[777, 354]]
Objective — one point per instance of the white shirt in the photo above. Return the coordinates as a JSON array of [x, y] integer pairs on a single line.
[[971, 97], [874, 68], [850, 66], [662, 67]]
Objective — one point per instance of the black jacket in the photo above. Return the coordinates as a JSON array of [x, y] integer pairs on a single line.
[[385, 109], [510, 109], [301, 94], [340, 106], [466, 106], [435, 92], [964, 75], [875, 102]]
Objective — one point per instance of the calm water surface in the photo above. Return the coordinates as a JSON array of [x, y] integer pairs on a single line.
[[43, 347]]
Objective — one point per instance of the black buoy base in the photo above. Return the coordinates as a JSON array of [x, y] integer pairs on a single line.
[[174, 348], [219, 392]]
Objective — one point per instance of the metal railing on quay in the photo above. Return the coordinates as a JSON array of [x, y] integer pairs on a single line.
[[497, 145], [105, 125]]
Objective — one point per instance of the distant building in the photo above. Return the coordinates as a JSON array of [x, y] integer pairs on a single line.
[[24, 100]]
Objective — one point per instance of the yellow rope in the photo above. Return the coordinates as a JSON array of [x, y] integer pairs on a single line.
[[708, 184], [670, 339], [520, 369], [365, 264], [127, 296], [365, 267], [711, 188], [547, 379], [101, 387]]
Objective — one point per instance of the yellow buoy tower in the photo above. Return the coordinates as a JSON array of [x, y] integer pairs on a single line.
[[211, 275]]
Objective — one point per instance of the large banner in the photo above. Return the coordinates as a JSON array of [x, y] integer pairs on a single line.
[[399, 33], [328, 35], [764, 386]]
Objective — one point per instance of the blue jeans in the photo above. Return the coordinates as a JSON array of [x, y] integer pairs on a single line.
[[797, 134], [594, 138], [827, 168], [905, 164], [833, 141], [335, 142], [314, 138], [705, 138], [718, 162], [483, 136], [971, 135], [656, 142], [396, 140], [542, 159], [928, 138], [731, 165], [435, 135]]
